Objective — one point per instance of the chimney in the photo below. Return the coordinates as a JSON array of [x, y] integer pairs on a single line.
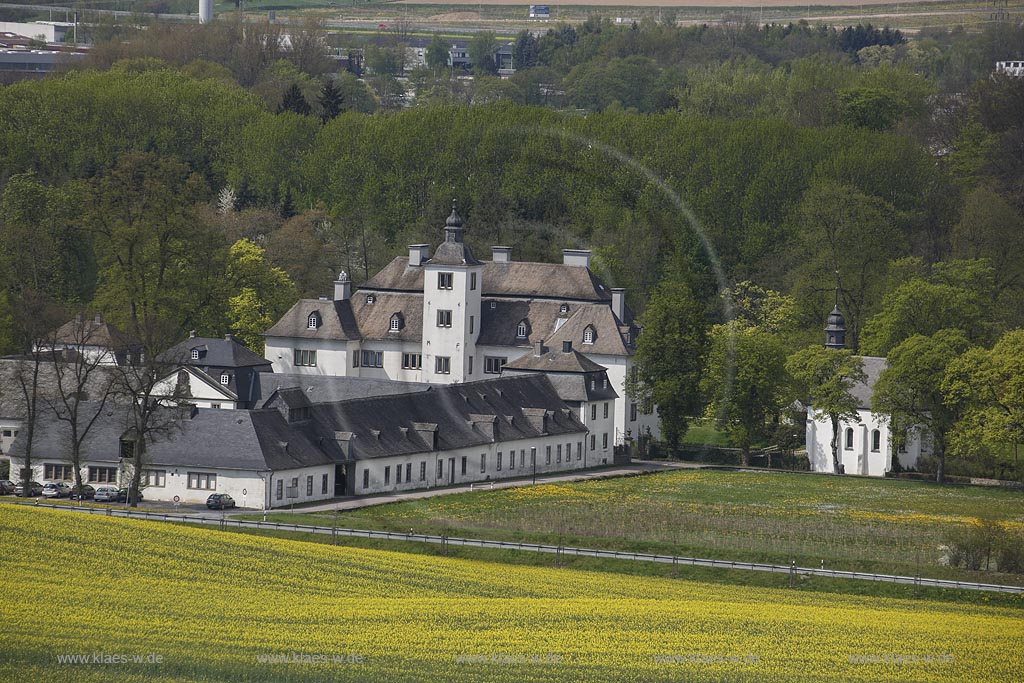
[[538, 348], [342, 287], [229, 337], [576, 257], [567, 346], [418, 253], [619, 303], [191, 334], [501, 254]]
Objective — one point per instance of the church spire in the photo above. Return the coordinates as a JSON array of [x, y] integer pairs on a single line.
[[835, 329]]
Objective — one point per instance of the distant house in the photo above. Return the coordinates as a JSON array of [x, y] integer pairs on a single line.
[[96, 339], [1011, 68], [213, 373]]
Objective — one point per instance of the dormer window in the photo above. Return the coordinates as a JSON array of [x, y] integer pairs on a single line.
[[589, 335], [494, 304], [195, 354], [521, 330], [313, 321], [563, 309], [371, 298], [396, 322], [225, 378]]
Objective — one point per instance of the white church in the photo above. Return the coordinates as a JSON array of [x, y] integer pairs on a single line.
[[448, 318], [865, 446]]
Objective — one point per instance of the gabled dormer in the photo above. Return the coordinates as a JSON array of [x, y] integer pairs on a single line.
[[396, 323], [314, 321]]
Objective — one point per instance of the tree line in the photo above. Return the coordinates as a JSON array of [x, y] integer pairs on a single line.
[[168, 190]]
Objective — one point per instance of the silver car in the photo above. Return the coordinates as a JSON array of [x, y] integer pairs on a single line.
[[56, 489], [106, 494]]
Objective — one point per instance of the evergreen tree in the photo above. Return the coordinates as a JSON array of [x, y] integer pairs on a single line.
[[294, 101], [331, 101]]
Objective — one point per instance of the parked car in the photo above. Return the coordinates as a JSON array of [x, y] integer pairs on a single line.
[[122, 495], [6, 486], [85, 492], [220, 501], [34, 489], [56, 489], [106, 494]]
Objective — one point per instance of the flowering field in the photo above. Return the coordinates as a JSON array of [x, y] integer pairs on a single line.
[[849, 522], [129, 601]]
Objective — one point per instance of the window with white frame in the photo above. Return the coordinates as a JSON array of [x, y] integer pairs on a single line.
[[58, 472], [206, 481], [412, 361], [313, 321], [396, 323], [423, 470], [280, 489], [521, 329], [155, 478], [445, 280], [305, 357], [563, 309], [309, 485], [225, 378], [442, 365], [103, 475], [195, 354], [589, 335], [371, 298], [444, 318], [494, 364]]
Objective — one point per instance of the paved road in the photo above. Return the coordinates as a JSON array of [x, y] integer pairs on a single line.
[[356, 502]]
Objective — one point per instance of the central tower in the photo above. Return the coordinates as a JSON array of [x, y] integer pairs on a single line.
[[452, 283]]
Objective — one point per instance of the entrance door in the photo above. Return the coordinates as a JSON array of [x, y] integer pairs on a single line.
[[340, 479], [451, 470]]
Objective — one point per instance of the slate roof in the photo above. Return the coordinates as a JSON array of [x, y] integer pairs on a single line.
[[330, 388], [575, 377], [863, 391], [610, 336], [214, 353], [374, 319], [336, 321], [387, 425], [522, 279], [255, 440]]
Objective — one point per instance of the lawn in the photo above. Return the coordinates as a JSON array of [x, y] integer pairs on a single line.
[[204, 605], [848, 522]]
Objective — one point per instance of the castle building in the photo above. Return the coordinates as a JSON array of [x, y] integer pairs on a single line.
[[447, 318]]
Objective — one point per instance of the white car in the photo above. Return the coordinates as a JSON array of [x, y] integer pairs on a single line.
[[56, 489]]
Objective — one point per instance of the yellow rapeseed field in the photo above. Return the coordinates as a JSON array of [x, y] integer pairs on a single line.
[[145, 601]]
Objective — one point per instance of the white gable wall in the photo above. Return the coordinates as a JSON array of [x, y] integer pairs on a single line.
[[859, 457]]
